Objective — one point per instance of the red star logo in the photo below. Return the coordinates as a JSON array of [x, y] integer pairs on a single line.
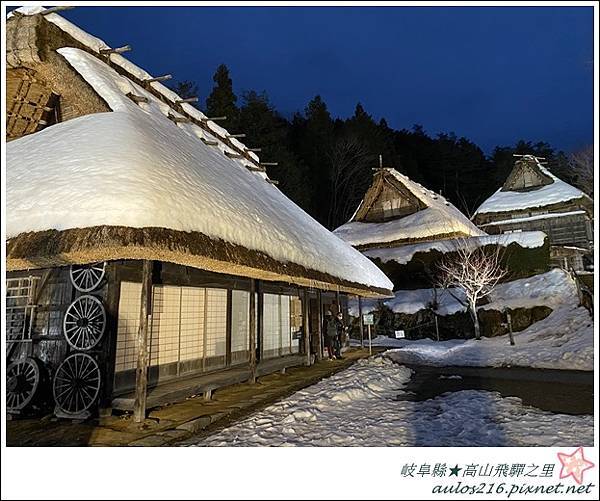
[[574, 465]]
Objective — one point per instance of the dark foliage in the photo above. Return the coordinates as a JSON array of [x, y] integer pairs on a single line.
[[326, 164]]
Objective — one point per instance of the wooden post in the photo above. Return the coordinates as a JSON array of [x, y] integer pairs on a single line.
[[306, 327], [320, 326], [437, 329], [141, 373], [510, 331], [252, 320], [361, 323], [370, 346]]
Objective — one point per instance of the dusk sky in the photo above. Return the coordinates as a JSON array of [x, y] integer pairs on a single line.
[[494, 75]]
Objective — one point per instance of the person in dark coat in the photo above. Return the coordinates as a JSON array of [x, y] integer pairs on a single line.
[[329, 333], [340, 337]]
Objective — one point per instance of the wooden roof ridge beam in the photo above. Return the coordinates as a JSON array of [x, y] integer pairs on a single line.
[[209, 142], [136, 98], [213, 119], [192, 99], [178, 120], [233, 155], [161, 78], [116, 50], [56, 8]]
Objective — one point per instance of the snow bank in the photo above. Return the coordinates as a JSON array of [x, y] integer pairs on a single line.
[[563, 340], [404, 254], [439, 218], [552, 289], [558, 191], [359, 407], [134, 167]]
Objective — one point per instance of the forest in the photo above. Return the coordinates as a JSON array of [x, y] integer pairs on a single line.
[[325, 164]]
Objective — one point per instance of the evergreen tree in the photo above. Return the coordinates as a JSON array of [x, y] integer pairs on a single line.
[[222, 100]]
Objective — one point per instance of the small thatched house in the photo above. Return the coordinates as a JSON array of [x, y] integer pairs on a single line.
[[149, 255], [532, 198], [406, 228]]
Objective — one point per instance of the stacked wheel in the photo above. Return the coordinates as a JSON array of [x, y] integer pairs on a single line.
[[76, 383], [22, 381]]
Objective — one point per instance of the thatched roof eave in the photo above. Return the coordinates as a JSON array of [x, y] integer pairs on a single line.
[[53, 248]]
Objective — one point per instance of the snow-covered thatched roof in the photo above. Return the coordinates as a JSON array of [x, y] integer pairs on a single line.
[[550, 190], [430, 216], [135, 184]]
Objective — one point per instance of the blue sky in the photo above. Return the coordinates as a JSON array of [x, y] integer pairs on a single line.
[[494, 75]]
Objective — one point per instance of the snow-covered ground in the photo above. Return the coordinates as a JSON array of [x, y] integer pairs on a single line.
[[563, 340], [359, 407]]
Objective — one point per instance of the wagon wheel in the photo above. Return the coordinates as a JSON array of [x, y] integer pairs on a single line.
[[22, 381], [84, 322], [87, 277], [76, 383]]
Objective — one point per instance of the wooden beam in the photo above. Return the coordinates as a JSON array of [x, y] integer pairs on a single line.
[[306, 328], [214, 119], [320, 328], [141, 373], [361, 323], [137, 99], [209, 142], [233, 155], [268, 164], [188, 100], [255, 168], [179, 120], [272, 181], [162, 78], [255, 150], [236, 135], [57, 8], [252, 320], [116, 50]]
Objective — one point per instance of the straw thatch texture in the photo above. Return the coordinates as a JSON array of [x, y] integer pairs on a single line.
[[54, 248]]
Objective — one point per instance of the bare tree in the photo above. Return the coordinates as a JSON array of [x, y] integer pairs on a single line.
[[473, 269], [582, 163], [350, 160]]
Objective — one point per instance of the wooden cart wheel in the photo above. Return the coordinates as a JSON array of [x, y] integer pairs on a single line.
[[87, 277], [76, 383], [84, 322], [22, 381]]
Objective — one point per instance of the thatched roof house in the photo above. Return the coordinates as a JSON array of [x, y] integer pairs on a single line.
[[398, 211], [532, 198], [152, 178], [149, 255]]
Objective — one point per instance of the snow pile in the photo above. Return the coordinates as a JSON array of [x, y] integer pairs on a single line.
[[556, 192], [439, 218], [359, 407], [551, 289], [134, 167], [563, 340], [405, 253]]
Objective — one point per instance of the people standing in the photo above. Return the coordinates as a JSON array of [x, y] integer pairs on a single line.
[[330, 333], [340, 337]]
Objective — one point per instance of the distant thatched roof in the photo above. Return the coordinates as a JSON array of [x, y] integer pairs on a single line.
[[531, 186], [414, 214], [155, 179]]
